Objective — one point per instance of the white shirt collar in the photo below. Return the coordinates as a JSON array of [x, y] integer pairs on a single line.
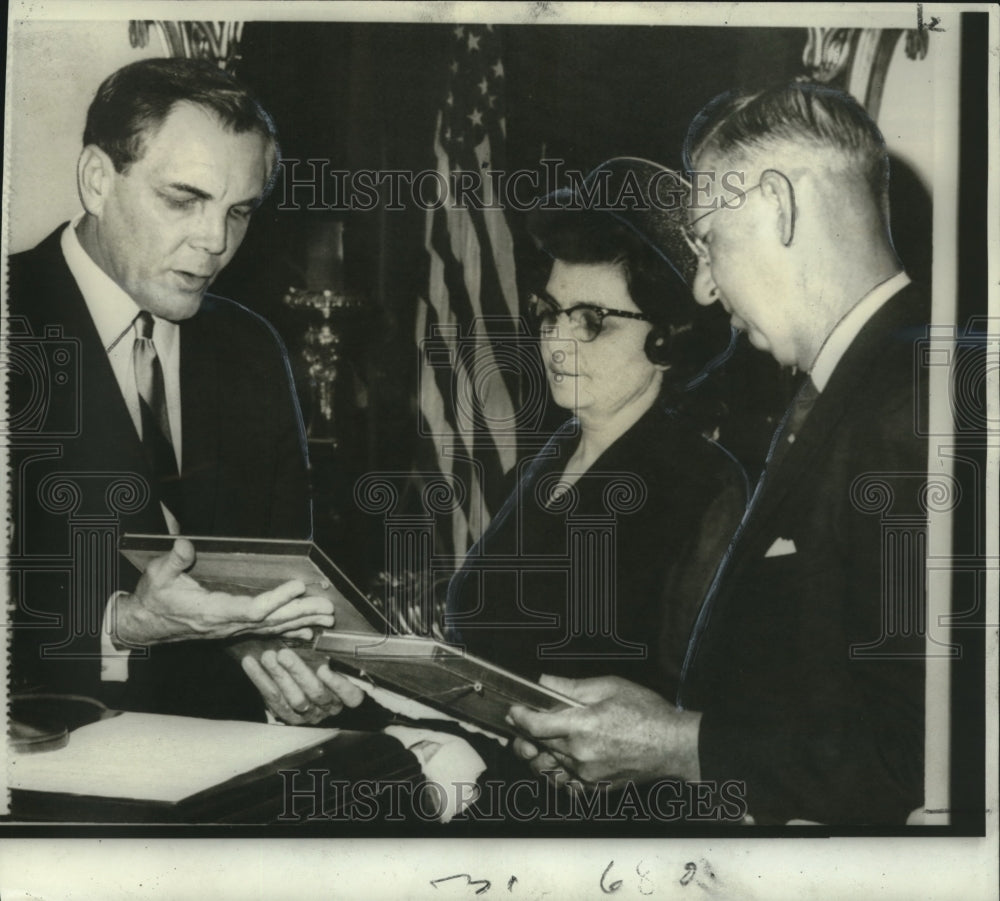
[[845, 331], [111, 308]]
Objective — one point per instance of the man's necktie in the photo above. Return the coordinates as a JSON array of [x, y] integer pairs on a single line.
[[784, 438], [156, 439], [791, 424]]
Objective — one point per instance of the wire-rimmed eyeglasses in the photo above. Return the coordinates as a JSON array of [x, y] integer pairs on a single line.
[[585, 319], [695, 241]]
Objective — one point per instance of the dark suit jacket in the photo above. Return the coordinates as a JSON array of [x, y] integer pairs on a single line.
[[673, 486], [80, 475], [808, 667]]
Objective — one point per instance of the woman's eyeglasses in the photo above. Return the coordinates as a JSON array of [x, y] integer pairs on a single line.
[[585, 319]]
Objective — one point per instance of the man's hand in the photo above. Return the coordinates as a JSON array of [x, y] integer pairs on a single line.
[[168, 605], [624, 733], [294, 693]]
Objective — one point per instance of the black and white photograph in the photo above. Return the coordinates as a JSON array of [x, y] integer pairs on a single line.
[[537, 449]]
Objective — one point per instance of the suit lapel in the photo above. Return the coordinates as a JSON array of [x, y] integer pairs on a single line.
[[846, 386], [200, 411], [107, 440], [850, 377]]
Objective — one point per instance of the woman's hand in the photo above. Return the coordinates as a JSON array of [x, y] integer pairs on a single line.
[[294, 693]]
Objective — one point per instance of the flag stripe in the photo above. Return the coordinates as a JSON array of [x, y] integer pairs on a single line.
[[469, 388]]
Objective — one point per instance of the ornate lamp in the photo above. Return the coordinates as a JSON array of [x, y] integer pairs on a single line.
[[327, 308]]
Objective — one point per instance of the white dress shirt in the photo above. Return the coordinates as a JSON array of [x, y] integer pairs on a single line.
[[114, 313], [845, 331]]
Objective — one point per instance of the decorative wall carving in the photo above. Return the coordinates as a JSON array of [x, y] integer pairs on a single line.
[[857, 59], [218, 41]]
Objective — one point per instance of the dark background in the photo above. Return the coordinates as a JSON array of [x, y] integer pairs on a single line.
[[364, 96]]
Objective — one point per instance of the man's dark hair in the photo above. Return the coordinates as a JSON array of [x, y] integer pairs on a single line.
[[134, 101], [744, 123]]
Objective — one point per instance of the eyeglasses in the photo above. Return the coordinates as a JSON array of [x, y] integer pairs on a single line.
[[695, 241], [585, 319]]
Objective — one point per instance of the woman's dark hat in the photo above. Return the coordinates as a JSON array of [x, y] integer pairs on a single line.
[[650, 199]]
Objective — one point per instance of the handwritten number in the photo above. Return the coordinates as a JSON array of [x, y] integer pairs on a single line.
[[484, 884], [643, 877], [689, 870], [610, 889], [510, 883]]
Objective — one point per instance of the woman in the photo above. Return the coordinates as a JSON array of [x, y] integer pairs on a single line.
[[576, 573]]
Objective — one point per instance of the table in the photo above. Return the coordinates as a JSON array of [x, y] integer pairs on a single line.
[[306, 787]]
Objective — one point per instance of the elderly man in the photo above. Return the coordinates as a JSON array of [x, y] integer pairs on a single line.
[[796, 687], [185, 420]]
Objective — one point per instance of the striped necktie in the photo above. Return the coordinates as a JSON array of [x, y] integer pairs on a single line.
[[157, 443]]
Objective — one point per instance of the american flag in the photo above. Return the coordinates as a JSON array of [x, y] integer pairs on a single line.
[[468, 387]]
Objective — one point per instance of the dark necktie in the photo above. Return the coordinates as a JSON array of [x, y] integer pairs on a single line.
[[157, 444], [791, 424], [784, 438]]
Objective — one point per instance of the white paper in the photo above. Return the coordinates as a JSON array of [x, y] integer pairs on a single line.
[[151, 757]]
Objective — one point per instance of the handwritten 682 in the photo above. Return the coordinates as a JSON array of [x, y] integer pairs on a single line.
[[613, 879]]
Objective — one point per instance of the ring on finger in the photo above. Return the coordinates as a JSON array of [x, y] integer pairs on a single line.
[[558, 759]]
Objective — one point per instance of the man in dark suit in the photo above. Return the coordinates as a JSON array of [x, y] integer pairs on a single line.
[[804, 678], [174, 414]]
